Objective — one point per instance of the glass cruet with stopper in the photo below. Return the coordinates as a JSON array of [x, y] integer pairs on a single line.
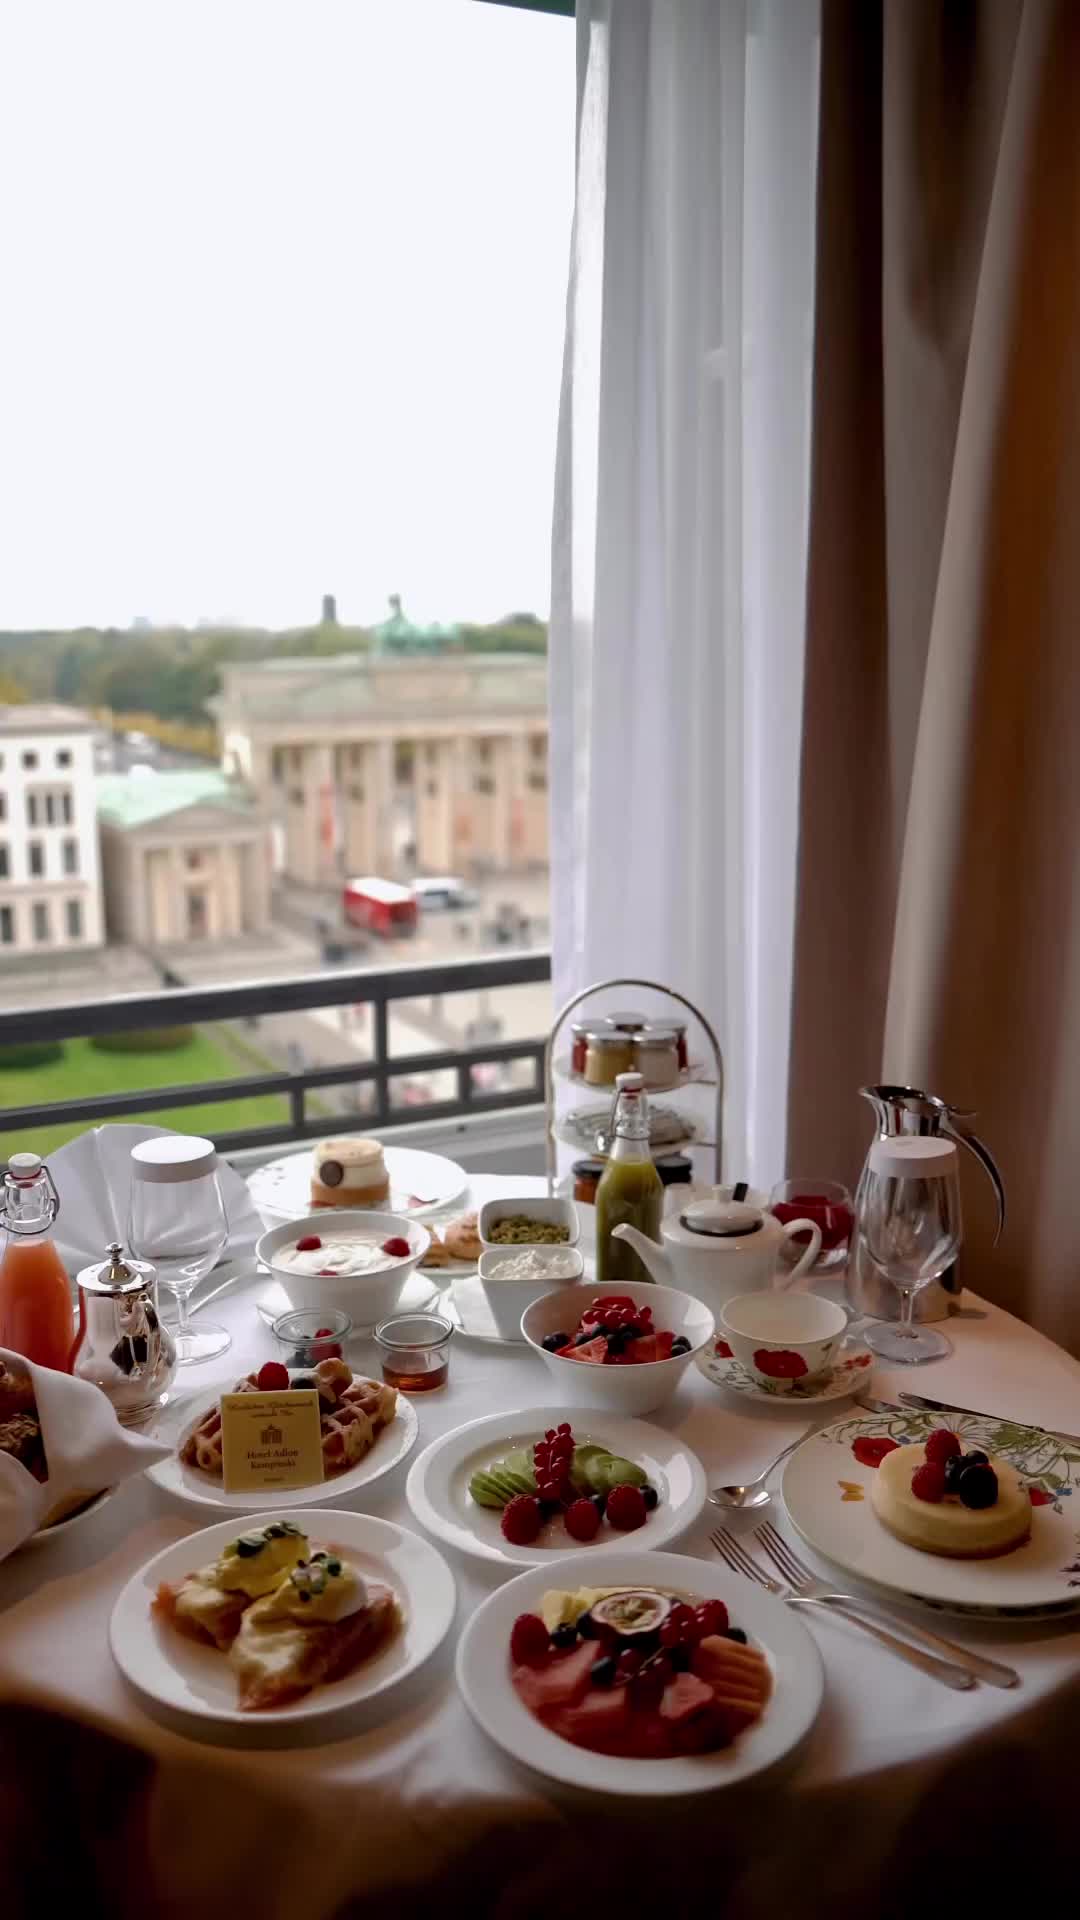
[[36, 1309], [630, 1189]]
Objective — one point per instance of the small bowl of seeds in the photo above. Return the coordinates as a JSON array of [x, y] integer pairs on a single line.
[[528, 1222]]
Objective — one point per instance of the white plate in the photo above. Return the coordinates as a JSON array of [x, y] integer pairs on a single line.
[[191, 1678], [197, 1489], [421, 1289], [1044, 1573], [419, 1184], [438, 1485], [483, 1671], [850, 1375]]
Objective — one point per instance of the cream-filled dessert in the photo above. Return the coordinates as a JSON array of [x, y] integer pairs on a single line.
[[350, 1172], [937, 1498], [343, 1255]]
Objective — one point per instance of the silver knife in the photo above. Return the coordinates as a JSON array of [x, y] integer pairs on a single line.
[[923, 1405]]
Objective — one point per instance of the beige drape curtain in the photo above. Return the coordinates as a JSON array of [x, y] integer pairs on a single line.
[[938, 916]]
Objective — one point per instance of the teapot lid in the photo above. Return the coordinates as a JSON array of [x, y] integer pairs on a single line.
[[117, 1275], [721, 1219]]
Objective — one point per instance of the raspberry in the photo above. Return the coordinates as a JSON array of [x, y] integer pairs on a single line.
[[582, 1520], [711, 1617], [626, 1508], [943, 1445], [396, 1247], [521, 1520], [272, 1377], [309, 1243], [528, 1640], [928, 1482]]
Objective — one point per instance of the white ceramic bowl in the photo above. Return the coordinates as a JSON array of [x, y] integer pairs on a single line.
[[508, 1299], [562, 1212], [365, 1297], [780, 1336], [619, 1389]]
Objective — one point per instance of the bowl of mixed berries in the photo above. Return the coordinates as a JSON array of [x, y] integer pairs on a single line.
[[625, 1350]]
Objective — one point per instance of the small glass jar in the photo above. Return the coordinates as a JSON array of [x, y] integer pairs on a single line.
[[587, 1175], [675, 1169], [657, 1057], [310, 1334], [415, 1351], [627, 1022], [608, 1055]]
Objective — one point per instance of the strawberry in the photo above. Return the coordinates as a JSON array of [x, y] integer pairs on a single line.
[[594, 1351], [529, 1640], [309, 1244], [272, 1377]]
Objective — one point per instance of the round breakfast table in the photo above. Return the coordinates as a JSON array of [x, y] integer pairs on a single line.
[[414, 1785]]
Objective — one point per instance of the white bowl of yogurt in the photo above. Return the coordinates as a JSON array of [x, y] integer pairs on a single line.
[[514, 1276], [338, 1258]]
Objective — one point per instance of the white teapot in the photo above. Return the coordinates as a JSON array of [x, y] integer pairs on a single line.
[[715, 1248]]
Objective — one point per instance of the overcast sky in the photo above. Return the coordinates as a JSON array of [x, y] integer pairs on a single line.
[[284, 286]]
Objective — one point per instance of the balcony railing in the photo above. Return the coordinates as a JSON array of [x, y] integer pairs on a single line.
[[377, 987]]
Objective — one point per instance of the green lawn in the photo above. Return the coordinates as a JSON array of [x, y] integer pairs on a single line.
[[85, 1070]]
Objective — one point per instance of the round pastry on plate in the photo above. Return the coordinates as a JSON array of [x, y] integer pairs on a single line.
[[462, 1238], [973, 1512], [350, 1172]]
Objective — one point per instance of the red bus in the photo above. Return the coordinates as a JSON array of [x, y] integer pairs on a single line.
[[380, 906]]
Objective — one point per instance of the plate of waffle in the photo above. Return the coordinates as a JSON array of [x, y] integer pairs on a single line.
[[367, 1430]]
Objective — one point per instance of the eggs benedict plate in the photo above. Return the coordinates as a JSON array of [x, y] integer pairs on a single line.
[[282, 1618]]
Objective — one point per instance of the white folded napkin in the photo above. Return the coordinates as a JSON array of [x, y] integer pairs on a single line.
[[93, 1179], [86, 1450]]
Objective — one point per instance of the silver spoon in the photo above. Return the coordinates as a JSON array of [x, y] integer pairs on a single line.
[[755, 1493]]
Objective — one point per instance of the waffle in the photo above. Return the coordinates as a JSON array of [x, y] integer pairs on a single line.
[[353, 1412]]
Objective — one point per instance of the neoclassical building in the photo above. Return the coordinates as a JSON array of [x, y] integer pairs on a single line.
[[335, 746]]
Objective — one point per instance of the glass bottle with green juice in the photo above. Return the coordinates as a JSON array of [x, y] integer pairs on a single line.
[[630, 1189]]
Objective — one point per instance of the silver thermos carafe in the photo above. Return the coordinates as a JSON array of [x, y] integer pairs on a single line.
[[900, 1110]]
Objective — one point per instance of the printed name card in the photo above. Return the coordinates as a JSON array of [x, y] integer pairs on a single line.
[[271, 1440]]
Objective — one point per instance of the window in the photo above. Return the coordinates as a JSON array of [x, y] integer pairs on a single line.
[[3, 802], [193, 859], [71, 856], [483, 783], [50, 809], [67, 810], [40, 921], [29, 760], [356, 793], [63, 756], [5, 863], [31, 809], [538, 782], [296, 797], [35, 854], [7, 926], [73, 918]]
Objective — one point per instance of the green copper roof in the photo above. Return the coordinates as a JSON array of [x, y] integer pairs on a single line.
[[133, 800], [398, 634]]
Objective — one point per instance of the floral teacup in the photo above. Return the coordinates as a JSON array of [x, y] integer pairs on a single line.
[[783, 1337]]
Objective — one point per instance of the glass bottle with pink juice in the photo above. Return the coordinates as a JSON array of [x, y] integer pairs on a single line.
[[36, 1313]]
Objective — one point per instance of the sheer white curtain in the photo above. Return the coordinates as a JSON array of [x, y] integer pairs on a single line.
[[680, 522]]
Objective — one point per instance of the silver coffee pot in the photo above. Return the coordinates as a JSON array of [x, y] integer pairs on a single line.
[[899, 1110], [122, 1344]]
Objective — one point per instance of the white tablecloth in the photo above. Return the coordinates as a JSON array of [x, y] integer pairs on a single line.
[[55, 1601]]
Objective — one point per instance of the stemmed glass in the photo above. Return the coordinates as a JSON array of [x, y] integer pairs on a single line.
[[908, 1209], [177, 1221]]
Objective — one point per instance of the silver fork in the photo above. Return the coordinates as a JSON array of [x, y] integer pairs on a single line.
[[739, 1561], [808, 1585]]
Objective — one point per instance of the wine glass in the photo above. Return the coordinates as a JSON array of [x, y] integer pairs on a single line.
[[177, 1221], [908, 1208]]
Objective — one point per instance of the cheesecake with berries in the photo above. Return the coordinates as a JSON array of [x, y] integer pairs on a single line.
[[967, 1506]]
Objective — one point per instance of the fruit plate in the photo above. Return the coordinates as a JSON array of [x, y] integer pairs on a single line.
[[420, 1183], [196, 1679], [826, 1489], [198, 1489], [483, 1672], [437, 1488], [850, 1375]]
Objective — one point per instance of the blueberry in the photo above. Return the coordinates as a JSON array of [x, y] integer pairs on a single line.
[[681, 1345], [549, 1508], [599, 1501], [680, 1658], [633, 1333], [615, 1341], [552, 1342], [736, 1634], [584, 1338], [587, 1627], [954, 1467], [976, 1458], [978, 1486], [650, 1497], [565, 1636], [306, 1380], [603, 1671]]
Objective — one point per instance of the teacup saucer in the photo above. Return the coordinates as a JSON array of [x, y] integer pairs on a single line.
[[848, 1376]]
